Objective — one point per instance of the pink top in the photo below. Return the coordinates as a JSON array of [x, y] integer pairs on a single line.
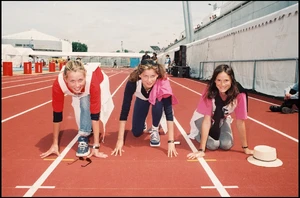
[[205, 106], [162, 89]]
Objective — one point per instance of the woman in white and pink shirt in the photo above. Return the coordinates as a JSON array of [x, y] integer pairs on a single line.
[[210, 124], [150, 86]]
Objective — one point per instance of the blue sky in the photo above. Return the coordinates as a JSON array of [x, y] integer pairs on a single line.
[[102, 25]]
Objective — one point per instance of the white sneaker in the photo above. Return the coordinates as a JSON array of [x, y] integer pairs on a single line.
[[154, 138]]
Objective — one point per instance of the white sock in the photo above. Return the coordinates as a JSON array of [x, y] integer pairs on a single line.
[[84, 134], [154, 128]]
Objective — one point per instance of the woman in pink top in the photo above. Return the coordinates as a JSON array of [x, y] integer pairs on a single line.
[[210, 124]]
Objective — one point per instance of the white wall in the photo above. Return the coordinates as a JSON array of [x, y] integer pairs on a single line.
[[273, 36]]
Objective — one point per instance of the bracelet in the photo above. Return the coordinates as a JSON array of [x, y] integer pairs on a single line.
[[95, 147], [170, 141], [200, 149], [244, 147]]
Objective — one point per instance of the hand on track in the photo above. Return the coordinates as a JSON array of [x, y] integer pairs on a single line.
[[96, 153], [196, 155], [52, 150], [172, 150], [118, 149]]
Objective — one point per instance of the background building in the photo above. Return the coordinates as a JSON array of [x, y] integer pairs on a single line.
[[37, 41]]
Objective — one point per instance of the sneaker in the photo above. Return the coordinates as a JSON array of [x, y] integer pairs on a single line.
[[154, 138], [83, 149], [275, 108], [145, 127], [287, 110]]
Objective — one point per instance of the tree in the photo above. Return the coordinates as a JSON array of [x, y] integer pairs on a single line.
[[126, 51], [79, 47], [142, 51]]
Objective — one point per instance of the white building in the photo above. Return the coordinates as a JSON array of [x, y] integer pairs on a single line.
[[37, 41]]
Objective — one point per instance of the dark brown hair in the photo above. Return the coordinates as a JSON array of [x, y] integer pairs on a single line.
[[212, 90]]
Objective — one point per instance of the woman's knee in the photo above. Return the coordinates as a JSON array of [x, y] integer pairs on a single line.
[[212, 144], [137, 132], [226, 144]]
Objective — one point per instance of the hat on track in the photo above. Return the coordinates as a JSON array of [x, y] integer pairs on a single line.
[[264, 156]]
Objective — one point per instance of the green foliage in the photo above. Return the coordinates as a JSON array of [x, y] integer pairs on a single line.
[[79, 47], [142, 51]]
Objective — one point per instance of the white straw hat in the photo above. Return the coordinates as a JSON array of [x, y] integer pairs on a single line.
[[264, 156]]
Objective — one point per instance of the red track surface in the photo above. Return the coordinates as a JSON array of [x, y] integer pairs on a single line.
[[142, 170]]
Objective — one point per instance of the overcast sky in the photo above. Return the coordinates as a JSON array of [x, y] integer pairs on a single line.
[[102, 25]]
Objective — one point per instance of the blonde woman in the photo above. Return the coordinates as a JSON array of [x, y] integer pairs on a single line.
[[89, 88], [151, 87]]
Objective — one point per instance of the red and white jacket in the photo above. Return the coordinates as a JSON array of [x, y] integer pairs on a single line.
[[97, 86]]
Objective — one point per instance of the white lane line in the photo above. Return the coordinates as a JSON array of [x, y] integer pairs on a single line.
[[220, 188], [26, 111], [211, 187], [27, 84], [277, 131], [50, 169], [254, 120], [24, 79], [25, 92], [45, 187]]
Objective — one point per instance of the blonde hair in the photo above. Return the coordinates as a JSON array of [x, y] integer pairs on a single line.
[[147, 64], [74, 66]]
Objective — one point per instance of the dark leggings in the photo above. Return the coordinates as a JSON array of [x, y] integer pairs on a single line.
[[290, 102], [140, 112]]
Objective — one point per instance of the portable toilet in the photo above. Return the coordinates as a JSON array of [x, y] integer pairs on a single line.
[[134, 62]]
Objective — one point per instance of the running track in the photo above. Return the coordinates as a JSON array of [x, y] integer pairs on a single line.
[[142, 170]]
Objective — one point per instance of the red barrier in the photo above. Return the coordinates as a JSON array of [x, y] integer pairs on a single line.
[[61, 64], [38, 68], [51, 67], [7, 69], [27, 68]]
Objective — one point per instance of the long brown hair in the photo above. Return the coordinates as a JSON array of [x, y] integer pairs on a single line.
[[147, 64], [212, 91]]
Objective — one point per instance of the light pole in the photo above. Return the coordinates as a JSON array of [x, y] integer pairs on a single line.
[[122, 46]]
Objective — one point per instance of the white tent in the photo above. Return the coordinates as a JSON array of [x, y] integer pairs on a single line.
[[8, 49], [31, 34], [23, 55], [9, 53]]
